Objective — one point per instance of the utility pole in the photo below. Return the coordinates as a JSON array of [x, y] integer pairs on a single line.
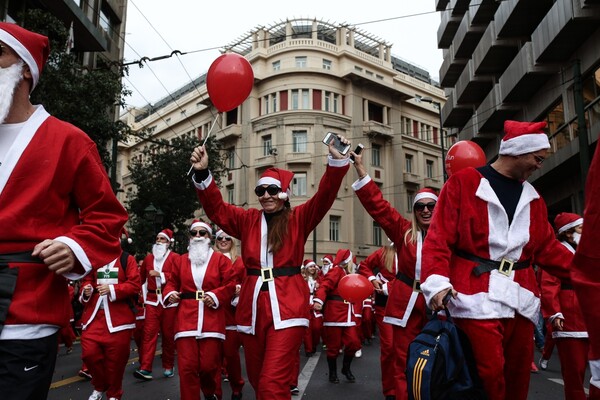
[[584, 152]]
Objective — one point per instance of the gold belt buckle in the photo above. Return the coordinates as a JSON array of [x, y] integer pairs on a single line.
[[503, 270], [199, 294], [266, 274], [417, 286], [346, 302], [158, 291]]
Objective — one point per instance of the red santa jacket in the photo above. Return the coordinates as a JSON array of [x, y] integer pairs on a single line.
[[288, 294], [53, 186], [239, 273], [403, 299], [118, 304], [469, 217], [336, 312], [154, 285], [215, 279], [560, 301]]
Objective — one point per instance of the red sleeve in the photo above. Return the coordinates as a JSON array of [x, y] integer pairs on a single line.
[[550, 286], [131, 286]]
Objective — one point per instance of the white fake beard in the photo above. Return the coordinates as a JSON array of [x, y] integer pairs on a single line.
[[159, 250], [576, 237], [325, 269], [199, 247], [9, 79]]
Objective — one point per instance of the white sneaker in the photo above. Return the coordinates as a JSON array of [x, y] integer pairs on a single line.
[[543, 364], [358, 354], [96, 395]]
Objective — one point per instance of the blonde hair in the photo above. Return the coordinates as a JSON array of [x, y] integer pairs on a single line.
[[410, 235], [233, 252], [389, 257]]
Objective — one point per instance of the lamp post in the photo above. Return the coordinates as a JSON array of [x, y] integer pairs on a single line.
[[439, 106], [155, 216]]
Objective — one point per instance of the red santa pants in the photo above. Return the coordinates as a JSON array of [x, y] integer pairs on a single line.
[[270, 354], [573, 354], [105, 354], [313, 333], [231, 355], [401, 340], [138, 336], [503, 350], [548, 342], [386, 357], [338, 336], [367, 323], [199, 364], [158, 319]]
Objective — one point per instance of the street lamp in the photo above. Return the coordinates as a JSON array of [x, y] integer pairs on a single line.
[[155, 216], [439, 106]]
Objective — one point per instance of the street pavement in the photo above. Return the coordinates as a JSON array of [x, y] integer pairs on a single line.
[[313, 382]]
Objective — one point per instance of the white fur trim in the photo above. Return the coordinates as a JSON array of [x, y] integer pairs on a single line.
[[573, 335], [163, 235], [595, 372], [268, 181], [204, 184], [203, 225], [360, 183], [79, 253], [424, 195], [337, 162], [199, 335], [524, 144], [23, 53], [433, 285], [571, 225]]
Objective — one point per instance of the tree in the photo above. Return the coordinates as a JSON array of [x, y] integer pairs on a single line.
[[161, 180], [87, 98]]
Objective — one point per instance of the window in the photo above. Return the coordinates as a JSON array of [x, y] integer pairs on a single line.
[[376, 155], [410, 197], [301, 62], [332, 101], [266, 100], [377, 234], [299, 184], [274, 102], [230, 197], [300, 99], [276, 66], [429, 168], [375, 112], [327, 64], [409, 163], [334, 228], [305, 99], [231, 158], [327, 101], [299, 139], [267, 145], [231, 117]]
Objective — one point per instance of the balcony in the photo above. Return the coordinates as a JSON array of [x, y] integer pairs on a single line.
[[411, 178], [451, 68], [440, 5], [448, 27], [454, 114], [467, 36], [433, 183], [493, 55], [88, 37], [298, 158], [472, 88], [373, 128], [230, 132], [519, 18]]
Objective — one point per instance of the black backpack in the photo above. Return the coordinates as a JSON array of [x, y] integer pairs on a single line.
[[440, 364], [133, 300]]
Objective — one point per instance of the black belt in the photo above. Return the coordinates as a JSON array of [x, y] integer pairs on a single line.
[[8, 279], [268, 274], [155, 291], [415, 284], [197, 295], [336, 298], [566, 286], [504, 266], [380, 299]]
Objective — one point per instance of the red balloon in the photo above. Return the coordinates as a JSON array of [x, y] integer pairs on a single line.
[[355, 288], [229, 81], [463, 154]]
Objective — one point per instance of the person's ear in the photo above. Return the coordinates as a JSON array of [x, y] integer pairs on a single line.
[[27, 72]]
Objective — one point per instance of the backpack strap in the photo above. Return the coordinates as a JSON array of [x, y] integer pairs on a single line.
[[123, 259]]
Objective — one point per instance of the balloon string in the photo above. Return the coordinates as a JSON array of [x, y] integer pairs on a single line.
[[204, 142]]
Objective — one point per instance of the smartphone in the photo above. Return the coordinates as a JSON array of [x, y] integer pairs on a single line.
[[357, 150], [339, 146]]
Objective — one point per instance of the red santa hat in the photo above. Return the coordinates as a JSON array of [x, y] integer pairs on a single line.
[[425, 193], [565, 221], [167, 233], [523, 137], [343, 257], [328, 258], [201, 224], [126, 234], [308, 262], [278, 177], [222, 233], [31, 47]]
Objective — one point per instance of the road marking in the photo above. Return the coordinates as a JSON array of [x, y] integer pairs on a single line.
[[74, 379], [307, 372]]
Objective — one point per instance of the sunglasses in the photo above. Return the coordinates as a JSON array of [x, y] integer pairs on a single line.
[[201, 232], [421, 206], [271, 189], [222, 238]]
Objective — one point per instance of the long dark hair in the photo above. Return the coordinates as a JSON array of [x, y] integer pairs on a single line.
[[278, 228]]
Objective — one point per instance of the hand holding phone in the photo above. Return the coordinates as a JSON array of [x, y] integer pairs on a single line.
[[333, 138], [357, 151]]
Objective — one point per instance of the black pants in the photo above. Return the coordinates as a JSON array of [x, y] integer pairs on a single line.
[[26, 367]]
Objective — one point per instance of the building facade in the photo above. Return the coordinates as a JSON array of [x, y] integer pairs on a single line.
[[530, 60], [310, 78]]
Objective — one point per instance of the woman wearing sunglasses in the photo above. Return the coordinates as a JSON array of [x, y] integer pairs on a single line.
[[406, 308], [272, 314], [232, 367]]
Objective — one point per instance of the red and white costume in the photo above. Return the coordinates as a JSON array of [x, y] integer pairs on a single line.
[[496, 311], [279, 313], [585, 271], [71, 201], [199, 329], [107, 324], [560, 301], [315, 326], [159, 316], [405, 309]]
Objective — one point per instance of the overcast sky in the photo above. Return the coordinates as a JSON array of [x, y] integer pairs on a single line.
[[157, 27]]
